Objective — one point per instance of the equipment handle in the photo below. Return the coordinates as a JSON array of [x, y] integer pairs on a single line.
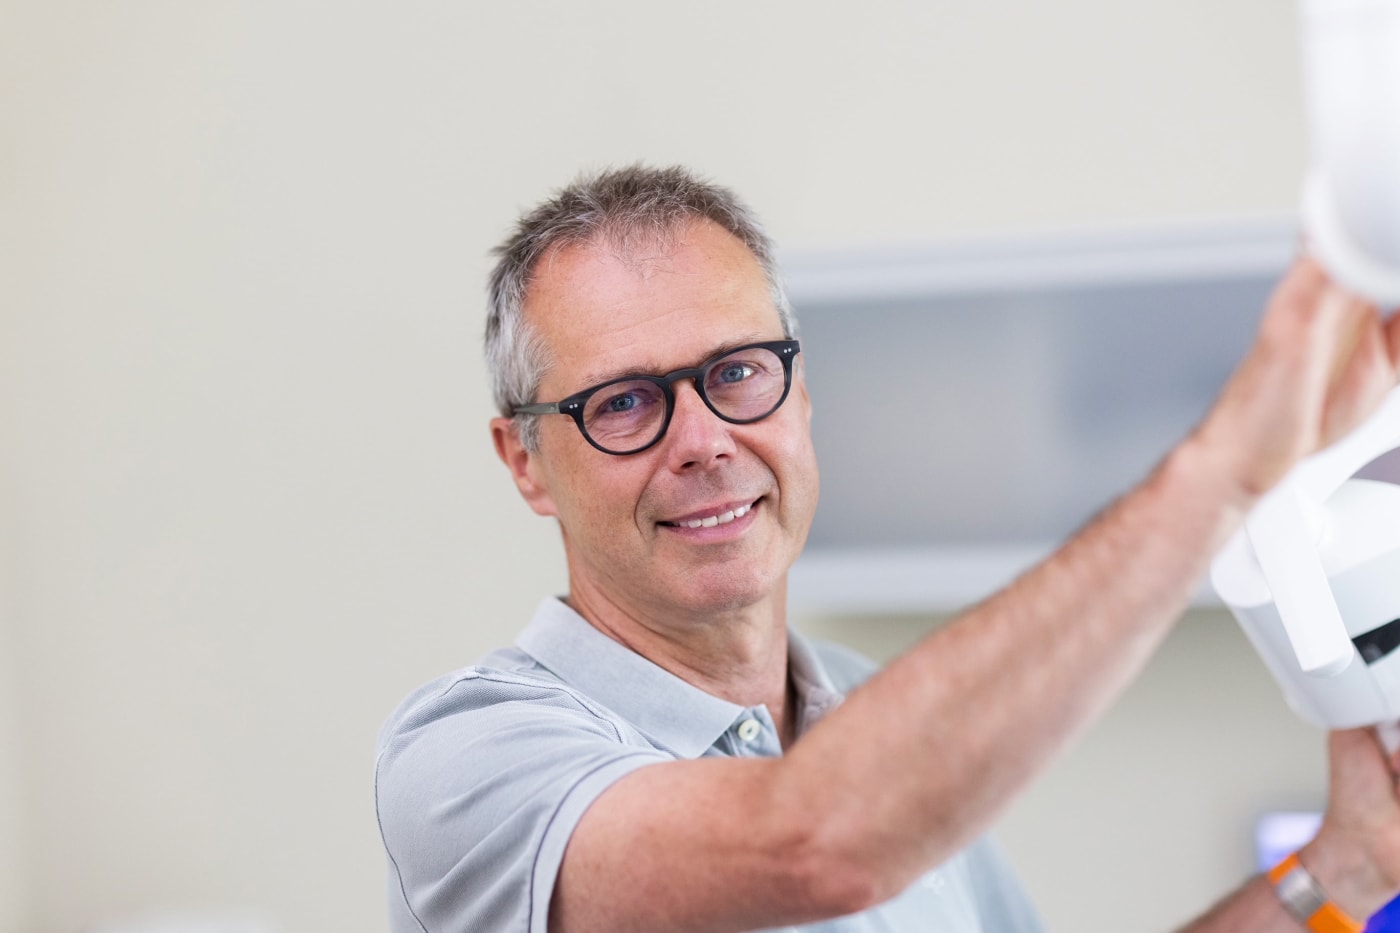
[[1283, 529], [1323, 473], [1283, 543]]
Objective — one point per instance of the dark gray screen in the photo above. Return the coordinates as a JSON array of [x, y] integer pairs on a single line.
[[1007, 418]]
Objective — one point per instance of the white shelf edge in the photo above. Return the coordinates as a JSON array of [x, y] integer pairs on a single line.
[[1174, 252], [915, 580]]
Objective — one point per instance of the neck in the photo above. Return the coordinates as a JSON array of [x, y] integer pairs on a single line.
[[740, 655]]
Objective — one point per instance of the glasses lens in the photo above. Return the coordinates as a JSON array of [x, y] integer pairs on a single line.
[[625, 416], [747, 384]]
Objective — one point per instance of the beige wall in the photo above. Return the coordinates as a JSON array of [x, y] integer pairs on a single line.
[[15, 889], [14, 880], [244, 246]]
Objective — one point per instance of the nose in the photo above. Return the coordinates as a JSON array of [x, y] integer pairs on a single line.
[[697, 438]]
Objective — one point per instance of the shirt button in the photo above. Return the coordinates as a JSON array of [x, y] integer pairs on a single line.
[[749, 729]]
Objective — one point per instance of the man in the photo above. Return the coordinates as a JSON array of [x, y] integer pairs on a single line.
[[659, 752]]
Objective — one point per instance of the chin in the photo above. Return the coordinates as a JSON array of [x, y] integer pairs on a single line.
[[725, 591]]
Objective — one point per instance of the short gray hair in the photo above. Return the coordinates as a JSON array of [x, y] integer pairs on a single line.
[[626, 205]]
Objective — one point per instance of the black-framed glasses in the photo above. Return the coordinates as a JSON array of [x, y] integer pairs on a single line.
[[629, 414]]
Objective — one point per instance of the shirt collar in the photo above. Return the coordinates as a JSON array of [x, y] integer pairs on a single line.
[[677, 715], [816, 694]]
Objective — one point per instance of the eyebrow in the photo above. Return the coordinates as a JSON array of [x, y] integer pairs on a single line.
[[654, 369]]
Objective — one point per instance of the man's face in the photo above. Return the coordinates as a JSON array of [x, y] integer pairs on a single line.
[[603, 314]]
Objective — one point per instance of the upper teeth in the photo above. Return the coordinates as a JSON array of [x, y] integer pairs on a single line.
[[711, 521]]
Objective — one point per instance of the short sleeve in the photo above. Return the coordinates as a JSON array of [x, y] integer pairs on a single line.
[[1002, 903], [478, 789]]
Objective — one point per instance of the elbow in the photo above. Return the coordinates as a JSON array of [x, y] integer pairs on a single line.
[[838, 889], [840, 853], [836, 876]]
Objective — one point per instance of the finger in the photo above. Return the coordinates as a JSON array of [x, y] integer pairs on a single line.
[[1305, 280], [1392, 333], [1295, 301], [1313, 327], [1362, 370]]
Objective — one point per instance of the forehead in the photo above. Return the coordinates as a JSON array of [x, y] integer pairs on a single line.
[[604, 308]]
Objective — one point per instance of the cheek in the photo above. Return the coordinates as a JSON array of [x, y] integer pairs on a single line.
[[599, 499], [805, 474], [797, 456]]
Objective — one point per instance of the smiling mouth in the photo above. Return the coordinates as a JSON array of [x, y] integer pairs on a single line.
[[710, 521]]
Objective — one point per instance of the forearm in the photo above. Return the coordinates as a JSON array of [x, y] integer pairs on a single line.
[[950, 732]]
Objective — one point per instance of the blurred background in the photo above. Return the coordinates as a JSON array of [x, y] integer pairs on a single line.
[[247, 496]]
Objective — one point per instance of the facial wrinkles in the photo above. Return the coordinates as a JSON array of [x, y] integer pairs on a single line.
[[739, 482]]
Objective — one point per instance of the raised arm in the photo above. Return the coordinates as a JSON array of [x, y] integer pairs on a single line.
[[921, 759]]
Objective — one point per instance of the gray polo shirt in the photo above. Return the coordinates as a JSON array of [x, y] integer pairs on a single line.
[[483, 774]]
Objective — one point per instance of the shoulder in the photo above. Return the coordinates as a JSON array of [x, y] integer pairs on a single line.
[[480, 778], [506, 697]]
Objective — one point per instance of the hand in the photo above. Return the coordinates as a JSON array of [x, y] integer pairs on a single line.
[[1323, 360], [1356, 855]]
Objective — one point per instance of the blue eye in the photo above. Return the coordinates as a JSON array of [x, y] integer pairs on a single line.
[[735, 372], [624, 405], [620, 403]]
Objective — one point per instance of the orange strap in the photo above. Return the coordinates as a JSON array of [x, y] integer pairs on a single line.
[[1329, 918]]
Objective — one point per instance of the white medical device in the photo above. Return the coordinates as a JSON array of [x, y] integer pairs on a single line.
[[1351, 89], [1314, 580], [1314, 575]]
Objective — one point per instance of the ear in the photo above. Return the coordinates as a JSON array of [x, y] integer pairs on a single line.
[[524, 466]]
